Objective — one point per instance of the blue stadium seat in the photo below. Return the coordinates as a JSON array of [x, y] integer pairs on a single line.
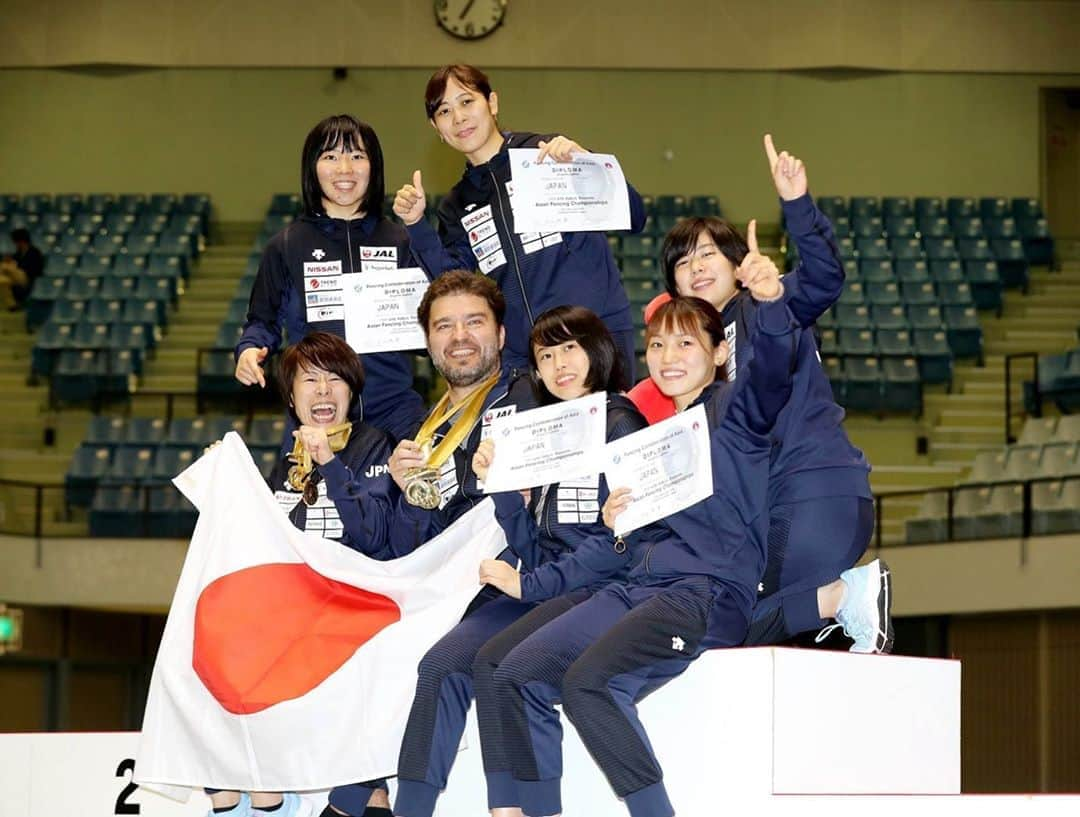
[[637, 246], [1038, 243], [900, 226], [1001, 228], [704, 205], [128, 265], [150, 288], [959, 207], [132, 337], [228, 335], [974, 249], [105, 430], [95, 265], [888, 317], [963, 331], [954, 294], [841, 226], [908, 249], [72, 244], [82, 289], [828, 343], [866, 226], [986, 286], [875, 270], [638, 290], [52, 339], [118, 223], [919, 294], [852, 316], [145, 431], [266, 432], [845, 246], [852, 293], [107, 244], [1026, 208], [67, 310], [36, 203], [170, 514], [116, 512], [68, 203], [865, 206], [851, 269], [934, 355], [643, 268], [856, 342], [104, 310], [968, 227], [872, 248], [940, 249], [947, 271], [929, 207], [990, 207], [671, 204], [130, 464], [129, 203], [896, 207], [862, 383], [882, 293], [88, 466], [285, 204], [55, 223], [170, 461], [925, 316], [43, 294], [90, 335], [901, 386], [1012, 262], [99, 203], [113, 288], [894, 342], [832, 206], [912, 271]]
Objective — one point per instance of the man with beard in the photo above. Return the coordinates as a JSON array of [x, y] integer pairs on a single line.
[[462, 315]]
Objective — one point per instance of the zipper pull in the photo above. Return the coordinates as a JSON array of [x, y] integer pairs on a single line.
[[620, 545]]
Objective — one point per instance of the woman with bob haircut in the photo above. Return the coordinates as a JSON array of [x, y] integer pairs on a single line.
[[476, 222], [341, 229], [820, 503], [333, 484], [694, 573], [557, 533]]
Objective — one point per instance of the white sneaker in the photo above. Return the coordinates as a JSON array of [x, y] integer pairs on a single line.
[[866, 614]]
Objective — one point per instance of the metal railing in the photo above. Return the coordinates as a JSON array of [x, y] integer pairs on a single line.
[[1010, 360]]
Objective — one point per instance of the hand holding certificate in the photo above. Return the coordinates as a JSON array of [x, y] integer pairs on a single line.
[[380, 309], [586, 193], [548, 444], [667, 467]]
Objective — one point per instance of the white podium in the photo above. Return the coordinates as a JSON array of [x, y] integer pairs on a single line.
[[773, 731]]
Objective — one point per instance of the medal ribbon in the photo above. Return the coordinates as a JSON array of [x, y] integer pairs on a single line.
[[337, 436], [469, 408]]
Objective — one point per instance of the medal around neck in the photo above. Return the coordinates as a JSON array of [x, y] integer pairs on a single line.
[[422, 483], [299, 476]]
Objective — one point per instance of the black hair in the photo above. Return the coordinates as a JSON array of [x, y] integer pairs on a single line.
[[576, 323], [20, 234], [462, 282], [326, 351], [349, 133], [694, 316], [683, 237], [468, 76]]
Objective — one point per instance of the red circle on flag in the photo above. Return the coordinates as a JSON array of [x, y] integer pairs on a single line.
[[274, 632]]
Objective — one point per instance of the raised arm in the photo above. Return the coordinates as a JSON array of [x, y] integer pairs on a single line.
[[262, 331]]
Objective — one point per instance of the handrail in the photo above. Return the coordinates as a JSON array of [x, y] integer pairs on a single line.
[[1037, 396]]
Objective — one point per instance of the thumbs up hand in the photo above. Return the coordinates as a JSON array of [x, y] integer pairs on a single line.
[[757, 272], [409, 201], [789, 173]]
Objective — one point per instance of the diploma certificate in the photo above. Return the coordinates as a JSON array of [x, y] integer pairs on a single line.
[[667, 467], [586, 193], [380, 309], [549, 444]]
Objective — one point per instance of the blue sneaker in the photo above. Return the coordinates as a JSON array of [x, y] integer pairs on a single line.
[[292, 805], [241, 809], [866, 613]]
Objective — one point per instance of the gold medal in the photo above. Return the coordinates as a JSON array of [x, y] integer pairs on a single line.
[[311, 492], [299, 476], [422, 483]]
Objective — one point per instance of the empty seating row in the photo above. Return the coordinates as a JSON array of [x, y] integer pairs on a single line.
[[56, 338], [104, 203], [923, 206], [877, 385], [960, 326]]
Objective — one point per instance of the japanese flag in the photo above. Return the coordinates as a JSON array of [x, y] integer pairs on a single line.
[[289, 662]]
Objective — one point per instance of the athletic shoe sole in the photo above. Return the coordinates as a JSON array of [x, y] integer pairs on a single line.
[[885, 636]]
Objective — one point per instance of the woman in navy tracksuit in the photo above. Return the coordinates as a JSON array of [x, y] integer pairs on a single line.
[[695, 576], [299, 283], [821, 505], [552, 533], [476, 222]]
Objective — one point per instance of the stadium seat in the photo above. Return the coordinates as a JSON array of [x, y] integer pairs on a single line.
[[907, 248], [986, 286], [852, 293], [845, 246], [883, 293], [1059, 459], [1037, 430], [1012, 262], [922, 294], [82, 289], [963, 332], [89, 334], [934, 227], [911, 271], [864, 206], [894, 342], [888, 317], [52, 339], [170, 461], [130, 464], [940, 249], [99, 203], [952, 270], [43, 295], [88, 466], [67, 310], [866, 226], [863, 381], [960, 207], [994, 207], [876, 271], [1022, 462], [872, 248], [55, 223], [1026, 208], [118, 223], [896, 207], [930, 522], [852, 316], [834, 370], [117, 512], [974, 249], [68, 203], [145, 431], [833, 206], [1055, 507], [901, 387], [827, 320], [704, 205], [828, 343], [934, 355], [637, 246], [841, 226], [169, 514], [671, 205], [102, 310], [1068, 428], [954, 294], [967, 504], [1038, 243], [898, 227], [1001, 228], [266, 432], [856, 342], [117, 289], [968, 227]]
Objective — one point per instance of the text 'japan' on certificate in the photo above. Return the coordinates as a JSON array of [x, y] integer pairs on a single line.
[[548, 444], [586, 193], [667, 467], [380, 309]]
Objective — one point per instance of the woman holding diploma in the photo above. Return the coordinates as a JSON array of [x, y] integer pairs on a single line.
[[820, 504], [559, 537], [342, 230], [691, 589], [476, 220]]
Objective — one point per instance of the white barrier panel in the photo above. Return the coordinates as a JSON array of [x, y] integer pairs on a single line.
[[772, 730]]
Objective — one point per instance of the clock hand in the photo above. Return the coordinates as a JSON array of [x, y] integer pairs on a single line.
[[465, 10]]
